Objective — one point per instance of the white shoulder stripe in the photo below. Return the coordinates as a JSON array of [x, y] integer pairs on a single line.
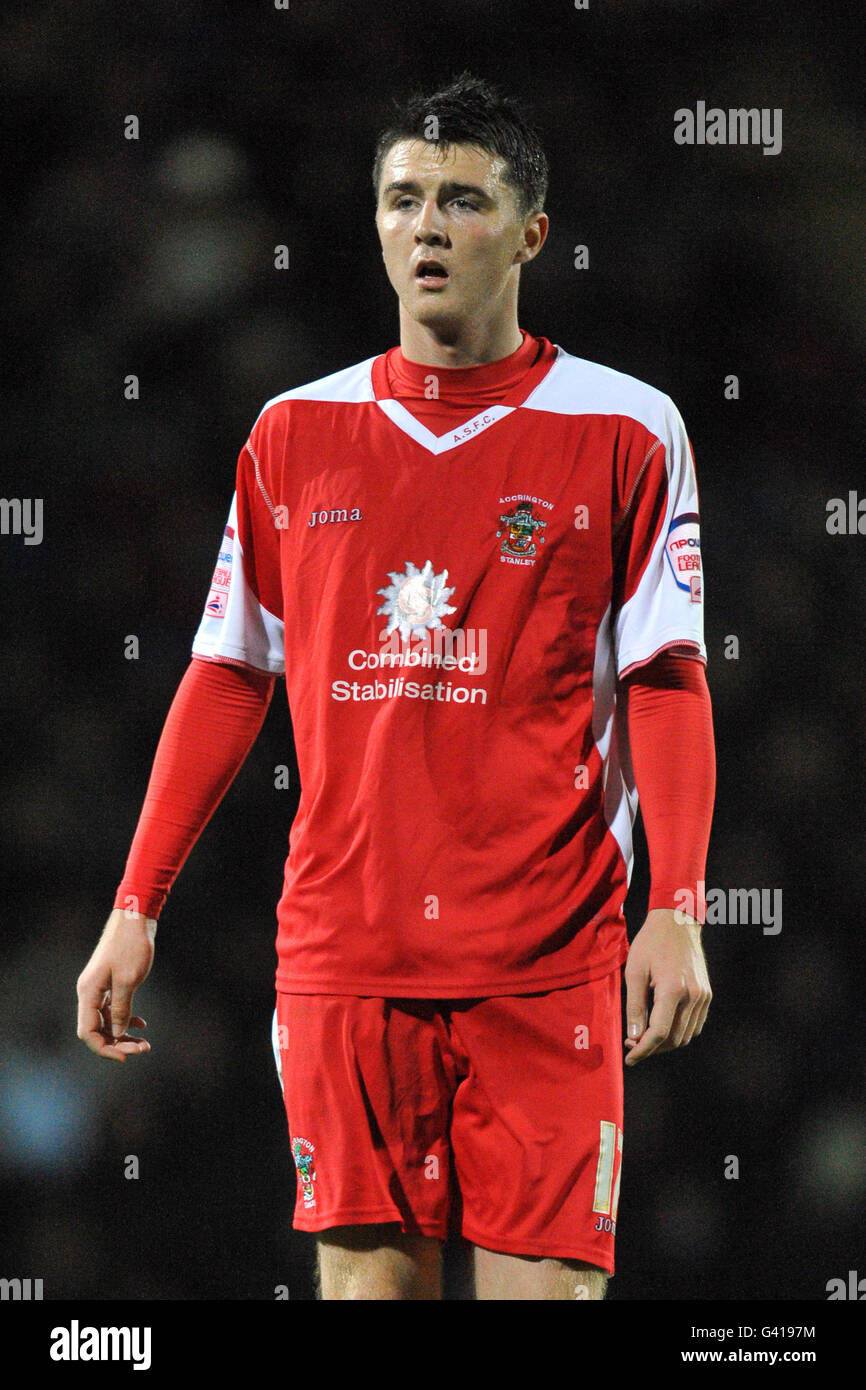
[[574, 386]]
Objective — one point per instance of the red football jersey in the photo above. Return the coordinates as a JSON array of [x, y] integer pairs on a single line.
[[452, 612]]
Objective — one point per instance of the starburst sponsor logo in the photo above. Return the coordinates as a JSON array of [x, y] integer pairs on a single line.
[[416, 600], [415, 604]]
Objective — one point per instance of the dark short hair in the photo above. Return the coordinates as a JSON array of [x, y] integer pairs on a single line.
[[471, 111]]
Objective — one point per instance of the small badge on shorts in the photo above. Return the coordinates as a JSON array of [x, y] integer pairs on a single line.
[[302, 1153]]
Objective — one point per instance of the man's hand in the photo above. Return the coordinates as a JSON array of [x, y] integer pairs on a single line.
[[120, 963], [667, 957]]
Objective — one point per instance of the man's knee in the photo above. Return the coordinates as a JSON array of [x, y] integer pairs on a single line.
[[377, 1262]]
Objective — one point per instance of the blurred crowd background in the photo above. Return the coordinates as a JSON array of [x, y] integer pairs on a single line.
[[155, 257]]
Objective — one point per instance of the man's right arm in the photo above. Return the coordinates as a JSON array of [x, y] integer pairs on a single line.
[[213, 722]]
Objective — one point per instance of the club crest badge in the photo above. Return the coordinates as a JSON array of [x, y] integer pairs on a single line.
[[519, 531], [302, 1153]]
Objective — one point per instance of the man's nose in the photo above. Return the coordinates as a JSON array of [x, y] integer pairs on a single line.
[[430, 226]]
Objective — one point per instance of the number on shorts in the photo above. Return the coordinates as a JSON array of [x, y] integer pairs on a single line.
[[606, 1199]]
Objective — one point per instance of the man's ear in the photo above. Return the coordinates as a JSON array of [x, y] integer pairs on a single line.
[[535, 234]]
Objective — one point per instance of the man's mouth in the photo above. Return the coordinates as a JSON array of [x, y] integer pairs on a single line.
[[431, 274]]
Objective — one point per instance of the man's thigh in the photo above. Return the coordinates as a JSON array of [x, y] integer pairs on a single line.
[[377, 1262], [380, 1262], [502, 1277]]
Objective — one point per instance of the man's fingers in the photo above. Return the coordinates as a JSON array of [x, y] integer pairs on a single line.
[[117, 1008], [692, 1013], [131, 1047], [98, 1042], [636, 1003], [649, 1043], [684, 1024], [89, 1018], [699, 1017], [98, 1022], [90, 1025], [676, 1018], [659, 1028], [690, 1020], [90, 1029], [117, 1049]]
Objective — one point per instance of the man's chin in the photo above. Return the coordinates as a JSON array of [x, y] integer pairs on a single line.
[[434, 312]]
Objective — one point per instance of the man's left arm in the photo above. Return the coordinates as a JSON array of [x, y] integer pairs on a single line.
[[670, 730]]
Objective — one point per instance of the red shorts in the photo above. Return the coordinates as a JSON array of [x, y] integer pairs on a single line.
[[500, 1118]]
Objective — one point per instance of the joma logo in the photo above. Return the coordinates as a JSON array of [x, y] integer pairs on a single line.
[[323, 518]]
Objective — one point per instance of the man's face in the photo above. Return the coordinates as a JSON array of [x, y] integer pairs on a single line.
[[455, 210]]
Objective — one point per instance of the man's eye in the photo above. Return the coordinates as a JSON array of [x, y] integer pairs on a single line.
[[467, 203]]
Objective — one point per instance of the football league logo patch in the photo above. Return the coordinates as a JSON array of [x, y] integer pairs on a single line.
[[683, 549], [222, 577]]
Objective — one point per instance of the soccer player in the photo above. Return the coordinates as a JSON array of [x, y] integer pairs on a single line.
[[475, 559]]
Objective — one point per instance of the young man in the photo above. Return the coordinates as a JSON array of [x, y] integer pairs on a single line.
[[476, 560]]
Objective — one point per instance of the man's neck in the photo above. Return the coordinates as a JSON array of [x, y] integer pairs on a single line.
[[469, 345]]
